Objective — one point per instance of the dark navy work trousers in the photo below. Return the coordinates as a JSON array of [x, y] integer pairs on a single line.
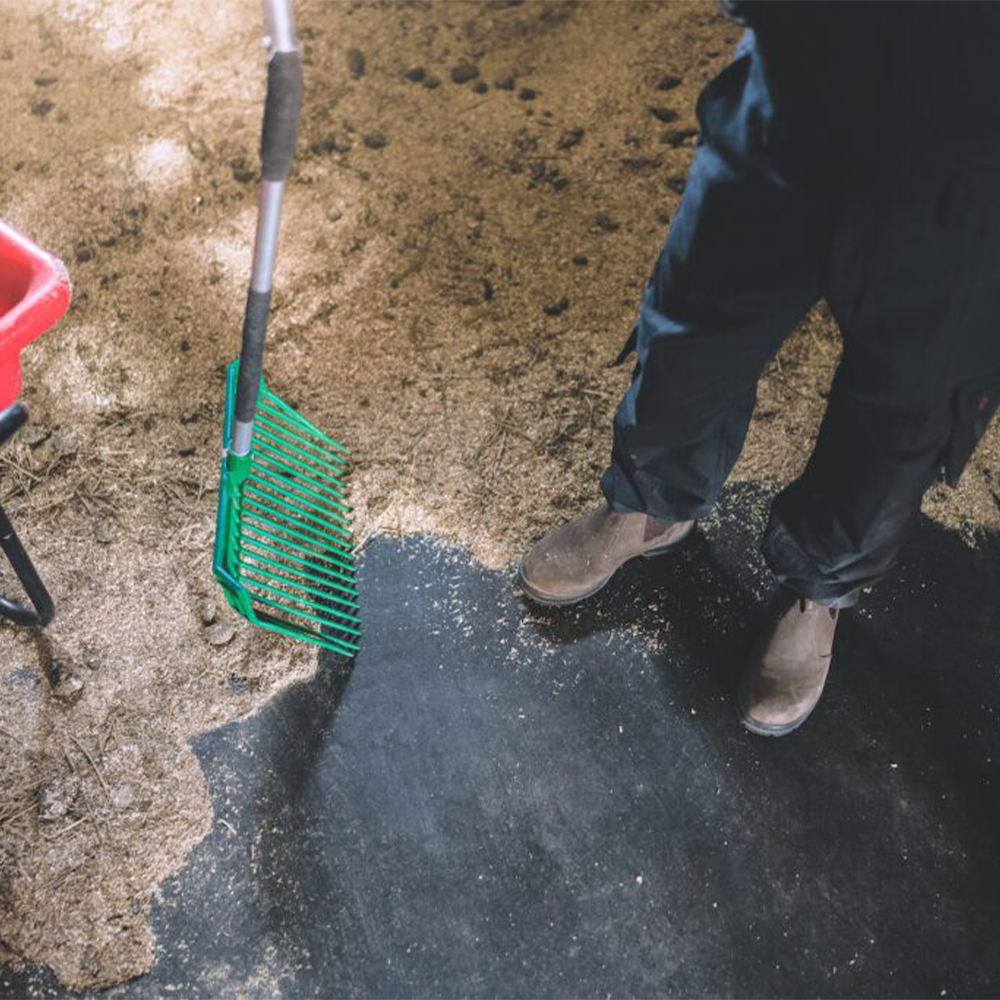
[[911, 272]]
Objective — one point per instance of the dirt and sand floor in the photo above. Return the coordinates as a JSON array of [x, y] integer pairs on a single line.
[[480, 193]]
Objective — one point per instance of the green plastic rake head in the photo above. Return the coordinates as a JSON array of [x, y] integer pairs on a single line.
[[283, 549]]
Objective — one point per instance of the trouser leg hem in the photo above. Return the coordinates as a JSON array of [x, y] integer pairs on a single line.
[[624, 497]]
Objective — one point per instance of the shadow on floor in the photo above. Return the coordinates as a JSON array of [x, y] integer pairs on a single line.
[[497, 801]]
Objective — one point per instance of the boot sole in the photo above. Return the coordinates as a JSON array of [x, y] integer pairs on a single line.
[[762, 729], [562, 602]]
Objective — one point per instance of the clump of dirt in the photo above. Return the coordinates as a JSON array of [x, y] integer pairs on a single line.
[[480, 194]]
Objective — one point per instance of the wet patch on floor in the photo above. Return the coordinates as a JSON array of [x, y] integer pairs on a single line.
[[495, 801]]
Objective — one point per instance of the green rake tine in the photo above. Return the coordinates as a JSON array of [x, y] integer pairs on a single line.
[[263, 454], [296, 534], [301, 512], [341, 462], [292, 449], [297, 468], [304, 463], [284, 484], [318, 478], [288, 435], [301, 632], [297, 631], [335, 565], [299, 419], [326, 581], [300, 503], [302, 430], [336, 540], [302, 614], [312, 452], [324, 609], [338, 561], [305, 632], [291, 582], [342, 549], [306, 602], [341, 536], [350, 595], [271, 476], [336, 574]]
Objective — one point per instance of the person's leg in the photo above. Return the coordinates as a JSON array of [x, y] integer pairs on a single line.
[[915, 286], [742, 264]]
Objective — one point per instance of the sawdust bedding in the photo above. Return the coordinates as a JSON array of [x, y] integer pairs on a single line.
[[480, 194]]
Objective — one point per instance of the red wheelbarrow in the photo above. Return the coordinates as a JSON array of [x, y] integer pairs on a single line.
[[34, 294]]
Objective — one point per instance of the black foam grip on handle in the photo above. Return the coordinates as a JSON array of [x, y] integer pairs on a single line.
[[281, 115], [252, 355]]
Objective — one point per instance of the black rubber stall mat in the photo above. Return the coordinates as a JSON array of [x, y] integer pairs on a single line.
[[493, 800]]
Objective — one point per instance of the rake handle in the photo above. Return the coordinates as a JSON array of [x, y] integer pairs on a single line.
[[282, 108]]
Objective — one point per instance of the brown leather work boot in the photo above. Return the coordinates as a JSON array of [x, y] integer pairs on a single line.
[[783, 679], [575, 560]]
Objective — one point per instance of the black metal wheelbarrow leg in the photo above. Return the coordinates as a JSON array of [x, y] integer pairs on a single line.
[[10, 420]]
